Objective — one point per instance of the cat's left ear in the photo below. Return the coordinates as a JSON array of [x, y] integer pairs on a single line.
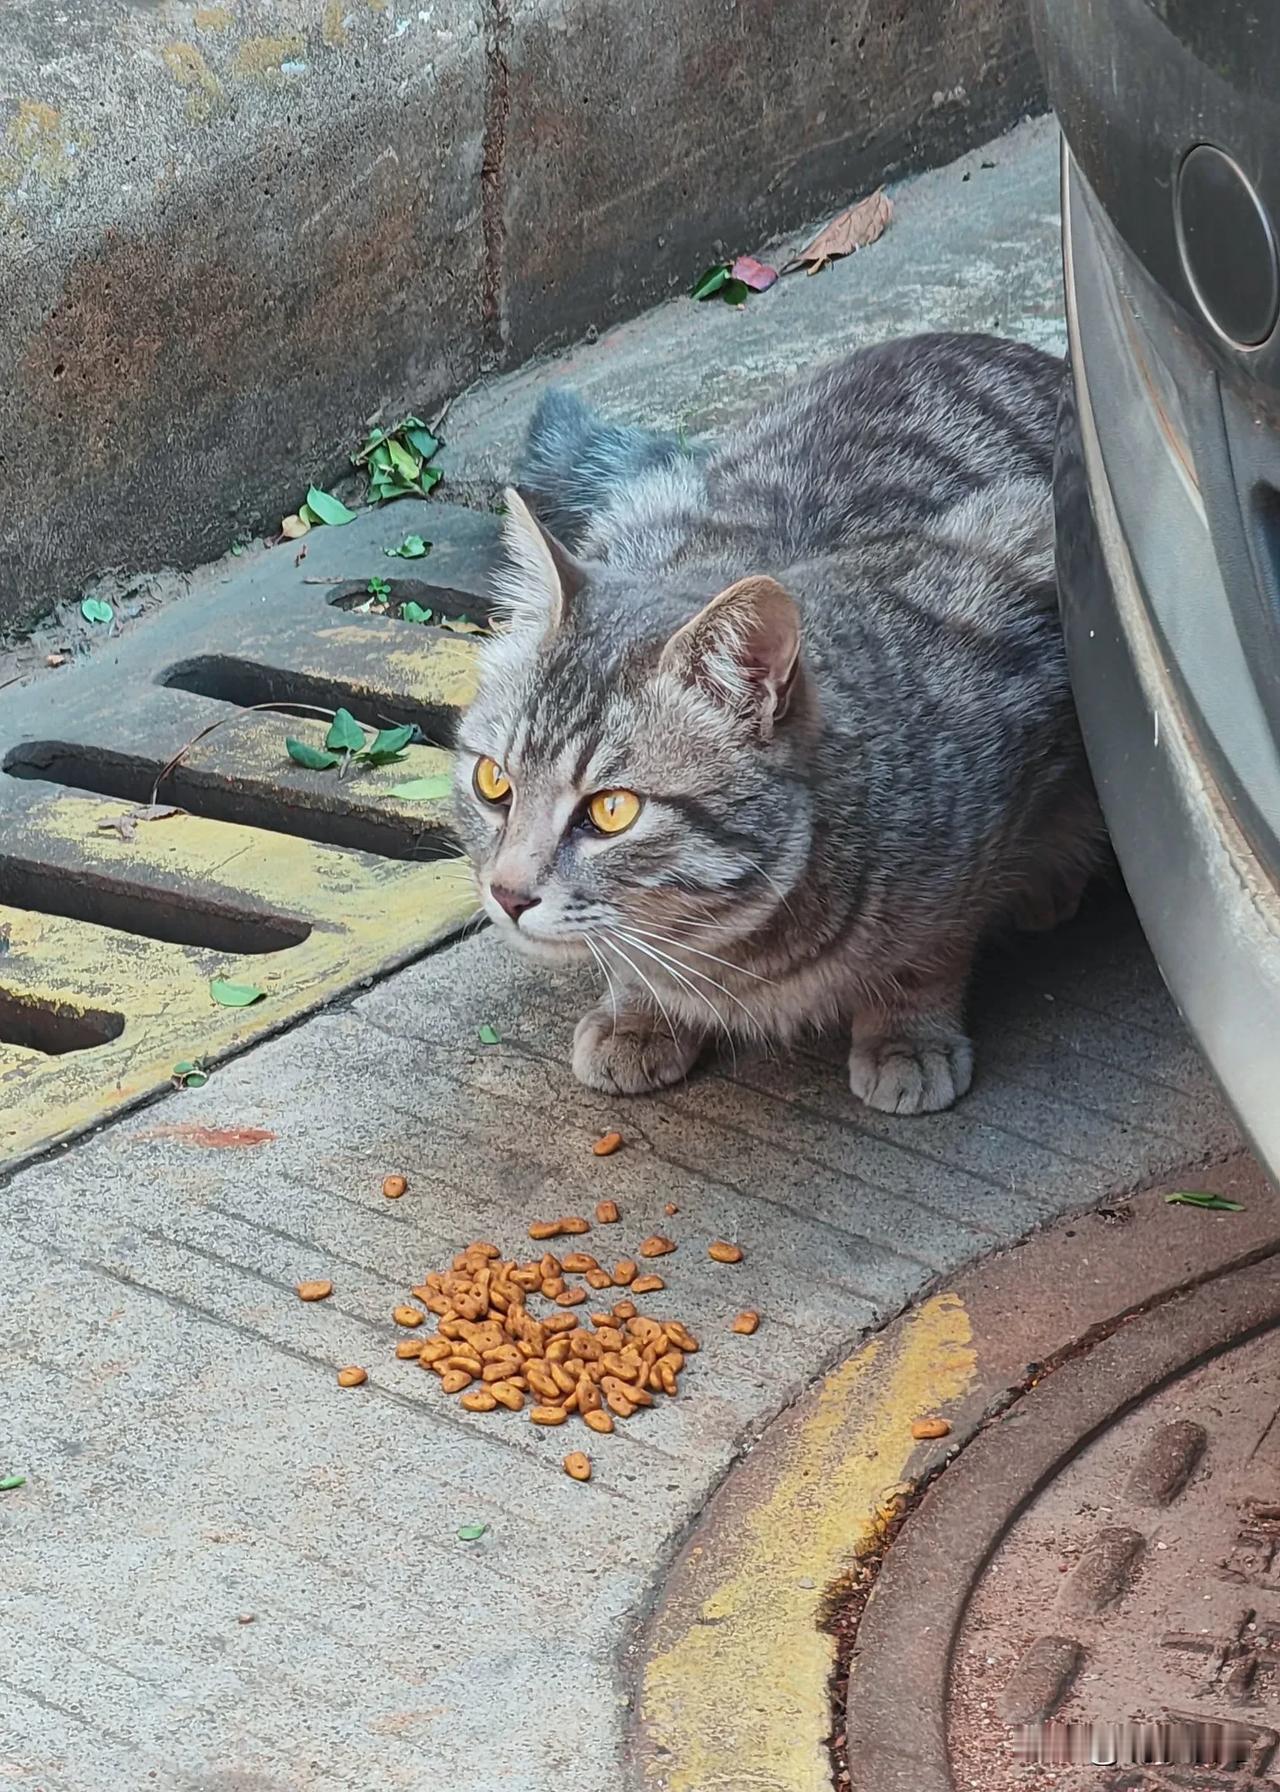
[[542, 578], [743, 650]]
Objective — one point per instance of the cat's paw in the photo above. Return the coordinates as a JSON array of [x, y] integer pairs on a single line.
[[631, 1052], [911, 1076]]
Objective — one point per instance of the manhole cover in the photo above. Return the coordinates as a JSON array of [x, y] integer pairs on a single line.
[[1091, 1594]]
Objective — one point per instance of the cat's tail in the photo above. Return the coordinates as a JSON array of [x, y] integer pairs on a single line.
[[576, 463]]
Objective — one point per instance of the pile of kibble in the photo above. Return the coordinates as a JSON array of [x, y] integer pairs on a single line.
[[491, 1350]]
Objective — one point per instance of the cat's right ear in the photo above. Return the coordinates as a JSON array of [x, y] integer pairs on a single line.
[[541, 578]]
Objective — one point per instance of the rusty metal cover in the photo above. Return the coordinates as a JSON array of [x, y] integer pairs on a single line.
[[1107, 1552]]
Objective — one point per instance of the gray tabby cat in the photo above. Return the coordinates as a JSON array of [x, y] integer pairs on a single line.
[[780, 735]]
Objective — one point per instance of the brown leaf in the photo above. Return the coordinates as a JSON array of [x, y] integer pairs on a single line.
[[126, 825], [294, 526], [212, 1138], [854, 228]]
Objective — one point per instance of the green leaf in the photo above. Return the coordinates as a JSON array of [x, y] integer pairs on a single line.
[[9, 1482], [328, 509], [431, 477], [405, 464], [307, 514], [378, 587], [94, 609], [237, 548], [735, 292], [345, 733], [711, 281], [235, 995], [489, 1035], [314, 758], [189, 1076], [413, 547], [471, 1533], [1198, 1198], [412, 612], [420, 439], [423, 790], [392, 740]]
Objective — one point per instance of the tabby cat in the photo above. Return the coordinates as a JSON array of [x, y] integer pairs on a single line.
[[778, 732]]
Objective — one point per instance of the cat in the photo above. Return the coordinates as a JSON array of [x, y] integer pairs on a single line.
[[781, 730]]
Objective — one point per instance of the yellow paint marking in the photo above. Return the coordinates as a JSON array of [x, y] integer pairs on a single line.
[[735, 1693], [261, 57], [368, 915]]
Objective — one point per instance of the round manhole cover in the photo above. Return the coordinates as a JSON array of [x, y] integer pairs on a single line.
[[1090, 1596]]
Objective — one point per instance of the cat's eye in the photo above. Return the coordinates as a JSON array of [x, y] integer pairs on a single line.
[[613, 811], [490, 781]]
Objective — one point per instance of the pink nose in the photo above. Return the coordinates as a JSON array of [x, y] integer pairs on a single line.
[[513, 901]]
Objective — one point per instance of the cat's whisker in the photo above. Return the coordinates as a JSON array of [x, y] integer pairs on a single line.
[[613, 994], [775, 887], [683, 972], [712, 957], [634, 967], [691, 989]]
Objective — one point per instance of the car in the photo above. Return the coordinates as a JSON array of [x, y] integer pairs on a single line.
[[1167, 490]]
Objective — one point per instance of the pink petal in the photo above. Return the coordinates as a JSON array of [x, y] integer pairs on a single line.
[[755, 274]]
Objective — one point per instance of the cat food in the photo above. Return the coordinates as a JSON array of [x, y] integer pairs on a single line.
[[578, 1465], [721, 1251], [607, 1213], [625, 1271], [657, 1246], [569, 1225], [314, 1290], [746, 1323], [352, 1377], [493, 1351], [670, 1209], [394, 1186], [924, 1428], [606, 1146]]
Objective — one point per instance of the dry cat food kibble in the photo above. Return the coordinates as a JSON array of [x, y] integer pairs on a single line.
[[926, 1428], [571, 1225], [670, 1209], [657, 1246], [578, 1465], [491, 1349], [746, 1323], [606, 1146], [607, 1213], [314, 1290], [394, 1186], [724, 1252], [353, 1377]]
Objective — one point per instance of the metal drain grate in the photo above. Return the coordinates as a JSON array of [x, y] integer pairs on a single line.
[[294, 881]]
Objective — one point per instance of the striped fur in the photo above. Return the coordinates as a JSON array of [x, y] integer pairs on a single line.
[[827, 656]]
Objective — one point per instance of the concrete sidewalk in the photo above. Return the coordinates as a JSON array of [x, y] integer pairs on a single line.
[[191, 1463]]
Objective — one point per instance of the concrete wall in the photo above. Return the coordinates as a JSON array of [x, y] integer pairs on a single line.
[[230, 233]]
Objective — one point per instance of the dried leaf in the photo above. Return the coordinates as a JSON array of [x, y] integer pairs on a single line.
[[294, 526], [126, 825], [853, 229], [758, 275]]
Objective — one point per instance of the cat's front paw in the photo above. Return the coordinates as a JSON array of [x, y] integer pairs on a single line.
[[911, 1076], [630, 1052]]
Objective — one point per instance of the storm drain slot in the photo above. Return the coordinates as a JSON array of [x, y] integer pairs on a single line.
[[442, 600], [55, 1028], [178, 918], [216, 797], [245, 684]]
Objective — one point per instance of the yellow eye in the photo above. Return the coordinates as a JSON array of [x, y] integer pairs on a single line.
[[490, 781], [613, 811]]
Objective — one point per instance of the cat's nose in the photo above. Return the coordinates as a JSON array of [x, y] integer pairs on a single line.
[[515, 902]]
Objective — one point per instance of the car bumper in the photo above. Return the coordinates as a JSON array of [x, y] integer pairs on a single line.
[[1198, 863]]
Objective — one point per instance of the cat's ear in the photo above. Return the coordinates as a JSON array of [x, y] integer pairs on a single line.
[[743, 650], [542, 577]]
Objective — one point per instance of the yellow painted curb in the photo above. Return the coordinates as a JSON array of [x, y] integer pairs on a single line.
[[734, 1689]]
